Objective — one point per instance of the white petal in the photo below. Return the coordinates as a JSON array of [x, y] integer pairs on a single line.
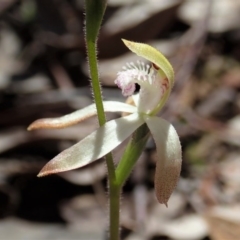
[[80, 115], [95, 145], [114, 106], [169, 155]]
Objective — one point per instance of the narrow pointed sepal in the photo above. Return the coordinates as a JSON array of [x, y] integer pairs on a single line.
[[94, 146], [80, 115], [169, 157]]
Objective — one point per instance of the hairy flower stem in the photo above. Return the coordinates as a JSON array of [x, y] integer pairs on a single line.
[[94, 14], [114, 210], [93, 68]]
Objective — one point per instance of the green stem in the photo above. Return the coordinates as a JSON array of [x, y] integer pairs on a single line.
[[96, 87], [94, 13], [114, 192], [97, 93], [114, 210], [131, 154]]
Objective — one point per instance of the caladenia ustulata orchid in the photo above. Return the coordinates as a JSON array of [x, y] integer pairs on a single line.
[[156, 81]]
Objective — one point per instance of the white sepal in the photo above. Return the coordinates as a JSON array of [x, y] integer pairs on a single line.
[[169, 157], [94, 146], [80, 115], [114, 106]]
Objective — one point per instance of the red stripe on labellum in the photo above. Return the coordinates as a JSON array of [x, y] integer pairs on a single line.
[[155, 66]]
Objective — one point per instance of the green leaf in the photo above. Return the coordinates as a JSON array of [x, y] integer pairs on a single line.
[[94, 14], [169, 157], [94, 146]]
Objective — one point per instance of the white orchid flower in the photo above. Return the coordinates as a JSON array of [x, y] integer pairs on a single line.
[[156, 82]]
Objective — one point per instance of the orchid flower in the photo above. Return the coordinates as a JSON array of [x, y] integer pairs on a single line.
[[156, 81]]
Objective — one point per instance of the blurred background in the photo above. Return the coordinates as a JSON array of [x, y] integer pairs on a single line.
[[43, 73]]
